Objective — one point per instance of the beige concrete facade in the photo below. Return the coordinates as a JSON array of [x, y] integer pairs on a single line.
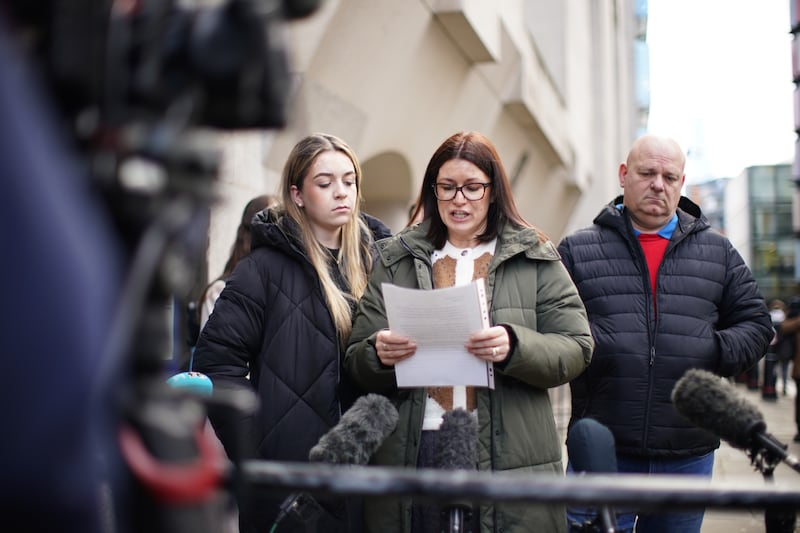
[[549, 81]]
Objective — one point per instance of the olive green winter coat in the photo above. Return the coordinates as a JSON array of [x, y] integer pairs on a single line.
[[530, 292]]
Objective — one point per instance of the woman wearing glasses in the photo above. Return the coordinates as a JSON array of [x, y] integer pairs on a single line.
[[539, 336]]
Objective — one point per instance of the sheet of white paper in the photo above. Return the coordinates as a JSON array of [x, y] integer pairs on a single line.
[[440, 321]]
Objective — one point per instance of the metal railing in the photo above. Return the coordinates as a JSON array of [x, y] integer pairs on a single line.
[[590, 490]]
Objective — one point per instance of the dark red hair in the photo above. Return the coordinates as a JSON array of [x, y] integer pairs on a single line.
[[477, 149]]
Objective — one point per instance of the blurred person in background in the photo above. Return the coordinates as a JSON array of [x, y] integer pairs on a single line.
[[239, 249], [790, 327], [779, 354]]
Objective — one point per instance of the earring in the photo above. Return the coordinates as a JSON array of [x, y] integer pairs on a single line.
[[299, 205]]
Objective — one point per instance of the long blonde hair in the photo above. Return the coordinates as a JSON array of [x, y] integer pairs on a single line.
[[354, 253]]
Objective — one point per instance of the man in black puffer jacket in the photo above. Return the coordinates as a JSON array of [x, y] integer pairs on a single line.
[[664, 293]]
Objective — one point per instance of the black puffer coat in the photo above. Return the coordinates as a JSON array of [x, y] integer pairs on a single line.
[[711, 315], [272, 321]]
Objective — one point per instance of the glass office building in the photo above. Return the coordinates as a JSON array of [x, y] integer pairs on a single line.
[[762, 230]]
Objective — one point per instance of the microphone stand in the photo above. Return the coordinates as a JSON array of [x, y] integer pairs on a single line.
[[457, 518], [765, 454], [609, 519], [174, 480], [305, 509], [769, 451], [604, 522]]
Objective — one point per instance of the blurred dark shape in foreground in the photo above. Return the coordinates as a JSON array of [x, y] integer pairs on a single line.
[[107, 181]]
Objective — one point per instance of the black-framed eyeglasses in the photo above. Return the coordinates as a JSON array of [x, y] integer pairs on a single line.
[[471, 191]]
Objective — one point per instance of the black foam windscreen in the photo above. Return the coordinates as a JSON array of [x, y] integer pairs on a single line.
[[457, 442], [591, 447], [359, 433], [712, 403], [297, 9]]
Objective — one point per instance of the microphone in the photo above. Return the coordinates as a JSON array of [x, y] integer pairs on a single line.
[[192, 382], [352, 441], [591, 448], [359, 433], [712, 403], [456, 448], [297, 9]]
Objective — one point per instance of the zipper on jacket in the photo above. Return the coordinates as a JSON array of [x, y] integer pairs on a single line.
[[652, 325]]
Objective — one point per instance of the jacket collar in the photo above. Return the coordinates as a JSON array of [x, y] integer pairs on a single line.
[[512, 240], [271, 227], [690, 217]]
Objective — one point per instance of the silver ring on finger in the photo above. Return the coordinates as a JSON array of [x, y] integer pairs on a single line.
[[494, 351]]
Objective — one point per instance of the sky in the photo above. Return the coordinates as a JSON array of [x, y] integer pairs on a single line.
[[721, 82]]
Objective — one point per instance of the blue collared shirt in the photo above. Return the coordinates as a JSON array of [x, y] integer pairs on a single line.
[[665, 232]]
